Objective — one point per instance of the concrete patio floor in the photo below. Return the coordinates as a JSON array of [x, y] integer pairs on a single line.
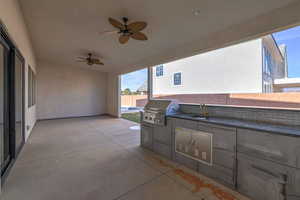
[[96, 158]]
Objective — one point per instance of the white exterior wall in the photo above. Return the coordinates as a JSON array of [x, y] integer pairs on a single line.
[[234, 69]]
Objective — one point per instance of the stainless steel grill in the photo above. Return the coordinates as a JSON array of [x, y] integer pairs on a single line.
[[156, 110]]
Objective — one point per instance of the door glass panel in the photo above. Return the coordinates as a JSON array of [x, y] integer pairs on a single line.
[[1, 103], [18, 102], [4, 134]]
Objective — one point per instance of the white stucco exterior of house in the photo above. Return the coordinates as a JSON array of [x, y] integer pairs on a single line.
[[234, 69]]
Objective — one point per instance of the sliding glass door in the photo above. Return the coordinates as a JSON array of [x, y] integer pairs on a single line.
[[11, 102], [5, 136], [18, 88]]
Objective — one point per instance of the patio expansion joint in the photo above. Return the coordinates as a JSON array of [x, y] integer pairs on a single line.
[[138, 157], [139, 186]]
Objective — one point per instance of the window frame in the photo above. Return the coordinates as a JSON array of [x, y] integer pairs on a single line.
[[159, 71], [173, 79], [31, 87]]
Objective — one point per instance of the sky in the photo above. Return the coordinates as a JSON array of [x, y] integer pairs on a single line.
[[134, 79], [289, 37]]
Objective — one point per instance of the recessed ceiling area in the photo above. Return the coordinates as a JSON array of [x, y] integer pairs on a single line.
[[62, 30]]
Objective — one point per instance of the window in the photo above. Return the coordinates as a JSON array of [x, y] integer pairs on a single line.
[[177, 78], [160, 70], [267, 87], [268, 66], [31, 87], [11, 101], [269, 63]]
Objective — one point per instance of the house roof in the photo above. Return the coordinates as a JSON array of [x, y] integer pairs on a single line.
[[143, 87], [287, 82]]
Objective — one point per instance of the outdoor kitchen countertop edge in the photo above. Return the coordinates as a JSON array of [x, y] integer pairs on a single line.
[[270, 128]]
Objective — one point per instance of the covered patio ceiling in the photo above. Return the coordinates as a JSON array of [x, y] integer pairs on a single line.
[[61, 30]]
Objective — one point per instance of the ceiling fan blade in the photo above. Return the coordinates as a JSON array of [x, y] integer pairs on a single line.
[[139, 36], [123, 39], [116, 23], [99, 62], [137, 26], [108, 32], [80, 60]]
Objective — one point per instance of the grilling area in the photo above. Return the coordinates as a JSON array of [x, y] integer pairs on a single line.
[[253, 151]]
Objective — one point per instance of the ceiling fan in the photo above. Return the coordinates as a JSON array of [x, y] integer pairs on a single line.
[[89, 60], [127, 31]]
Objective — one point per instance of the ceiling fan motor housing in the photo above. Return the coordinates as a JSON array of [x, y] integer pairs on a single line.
[[125, 20], [125, 31]]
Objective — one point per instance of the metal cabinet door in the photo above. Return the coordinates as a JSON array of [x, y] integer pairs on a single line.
[[277, 148], [224, 158], [177, 157], [260, 180], [162, 149], [147, 136], [221, 174], [224, 138], [163, 134]]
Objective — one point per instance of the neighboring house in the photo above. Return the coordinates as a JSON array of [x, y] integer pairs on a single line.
[[287, 85], [249, 67], [143, 88]]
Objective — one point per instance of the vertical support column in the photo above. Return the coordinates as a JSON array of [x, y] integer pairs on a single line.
[[150, 85], [119, 96], [113, 101]]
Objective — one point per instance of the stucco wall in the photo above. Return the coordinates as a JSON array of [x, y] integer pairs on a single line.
[[67, 91], [234, 69], [12, 17]]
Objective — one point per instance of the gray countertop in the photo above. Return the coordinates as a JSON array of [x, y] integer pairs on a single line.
[[271, 128]]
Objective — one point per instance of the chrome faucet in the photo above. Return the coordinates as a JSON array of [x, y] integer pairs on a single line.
[[204, 110]]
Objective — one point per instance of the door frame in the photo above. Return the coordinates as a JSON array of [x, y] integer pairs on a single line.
[[10, 97], [17, 53], [6, 99]]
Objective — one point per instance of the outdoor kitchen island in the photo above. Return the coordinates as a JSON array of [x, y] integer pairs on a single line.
[[252, 150]]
